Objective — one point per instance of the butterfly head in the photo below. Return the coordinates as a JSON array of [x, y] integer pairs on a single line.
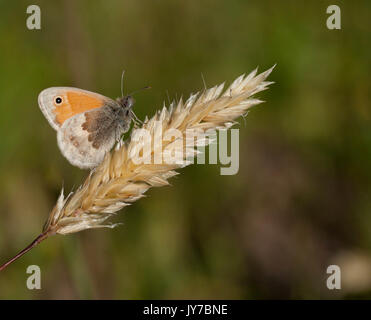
[[126, 102]]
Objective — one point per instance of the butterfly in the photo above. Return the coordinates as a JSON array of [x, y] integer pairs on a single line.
[[88, 124]]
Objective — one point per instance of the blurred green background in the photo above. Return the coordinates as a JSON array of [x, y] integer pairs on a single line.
[[300, 201]]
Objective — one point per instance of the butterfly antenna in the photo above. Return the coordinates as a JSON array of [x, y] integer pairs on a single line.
[[122, 83], [147, 87]]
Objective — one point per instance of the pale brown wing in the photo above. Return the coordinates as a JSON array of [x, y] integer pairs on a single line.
[[85, 138]]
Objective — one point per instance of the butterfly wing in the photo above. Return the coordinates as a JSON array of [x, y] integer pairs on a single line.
[[85, 138], [61, 103]]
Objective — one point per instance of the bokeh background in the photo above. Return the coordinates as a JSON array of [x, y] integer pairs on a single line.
[[300, 201]]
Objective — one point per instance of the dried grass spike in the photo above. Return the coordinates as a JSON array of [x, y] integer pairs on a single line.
[[119, 181]]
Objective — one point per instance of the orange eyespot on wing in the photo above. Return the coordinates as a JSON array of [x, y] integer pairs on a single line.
[[61, 103], [75, 103]]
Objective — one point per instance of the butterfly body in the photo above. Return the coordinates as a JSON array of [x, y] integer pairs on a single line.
[[87, 124]]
